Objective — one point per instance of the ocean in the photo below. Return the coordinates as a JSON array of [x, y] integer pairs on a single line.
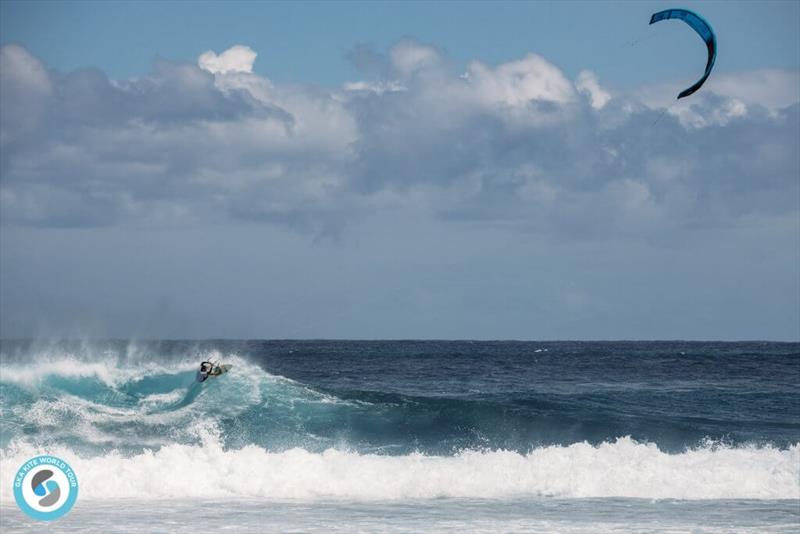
[[409, 436]]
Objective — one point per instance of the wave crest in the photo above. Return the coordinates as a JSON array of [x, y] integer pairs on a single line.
[[623, 468]]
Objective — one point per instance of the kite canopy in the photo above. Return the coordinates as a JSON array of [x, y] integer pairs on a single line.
[[702, 27]]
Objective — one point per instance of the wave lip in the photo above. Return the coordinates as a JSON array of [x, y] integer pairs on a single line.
[[624, 468]]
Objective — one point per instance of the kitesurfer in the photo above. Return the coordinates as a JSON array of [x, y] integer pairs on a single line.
[[207, 369]]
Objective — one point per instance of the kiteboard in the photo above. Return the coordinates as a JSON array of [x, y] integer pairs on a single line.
[[224, 368]]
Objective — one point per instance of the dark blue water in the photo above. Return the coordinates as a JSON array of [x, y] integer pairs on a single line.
[[514, 395]]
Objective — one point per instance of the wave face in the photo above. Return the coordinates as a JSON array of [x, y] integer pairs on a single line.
[[402, 420]]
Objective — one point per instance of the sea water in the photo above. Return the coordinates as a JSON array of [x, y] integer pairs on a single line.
[[388, 436]]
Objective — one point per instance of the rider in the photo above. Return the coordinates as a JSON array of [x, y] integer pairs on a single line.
[[207, 369]]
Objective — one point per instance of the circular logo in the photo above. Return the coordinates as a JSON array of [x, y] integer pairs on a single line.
[[45, 487]]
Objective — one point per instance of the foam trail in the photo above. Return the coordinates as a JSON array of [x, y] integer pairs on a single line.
[[624, 468]]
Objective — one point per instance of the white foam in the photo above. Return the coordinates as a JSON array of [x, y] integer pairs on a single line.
[[623, 468], [158, 399], [66, 366]]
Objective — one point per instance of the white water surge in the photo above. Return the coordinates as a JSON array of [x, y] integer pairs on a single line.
[[623, 468]]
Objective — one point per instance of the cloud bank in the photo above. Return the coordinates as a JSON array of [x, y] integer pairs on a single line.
[[518, 144]]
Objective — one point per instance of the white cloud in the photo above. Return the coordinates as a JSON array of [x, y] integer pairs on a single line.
[[726, 96], [702, 115], [26, 70], [375, 87], [519, 82], [25, 88], [587, 83], [237, 58], [771, 88]]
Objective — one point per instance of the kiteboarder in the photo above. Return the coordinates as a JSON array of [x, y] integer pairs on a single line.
[[208, 369]]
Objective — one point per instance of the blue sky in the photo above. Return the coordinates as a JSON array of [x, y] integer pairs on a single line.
[[308, 41], [398, 170]]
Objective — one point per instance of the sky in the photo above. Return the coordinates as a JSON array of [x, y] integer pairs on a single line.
[[382, 170]]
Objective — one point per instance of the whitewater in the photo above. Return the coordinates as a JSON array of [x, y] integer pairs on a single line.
[[484, 436]]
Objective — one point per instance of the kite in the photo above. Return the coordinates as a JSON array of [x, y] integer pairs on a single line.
[[703, 28]]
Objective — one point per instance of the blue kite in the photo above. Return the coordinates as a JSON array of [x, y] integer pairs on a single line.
[[703, 28]]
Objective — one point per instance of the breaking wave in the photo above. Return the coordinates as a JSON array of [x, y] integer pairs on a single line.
[[133, 426], [623, 468]]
